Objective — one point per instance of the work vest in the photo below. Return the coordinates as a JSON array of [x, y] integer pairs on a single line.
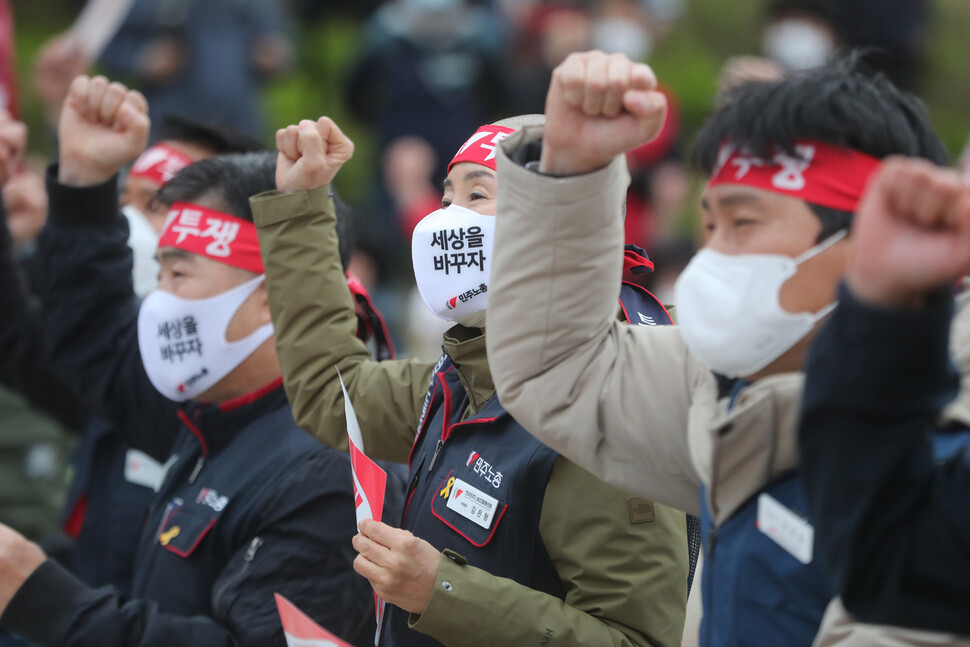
[[476, 486], [755, 592]]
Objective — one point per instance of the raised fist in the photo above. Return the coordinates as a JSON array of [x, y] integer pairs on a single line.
[[599, 106], [911, 234], [311, 153], [13, 142], [103, 126]]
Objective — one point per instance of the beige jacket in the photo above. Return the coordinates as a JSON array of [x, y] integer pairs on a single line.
[[576, 378], [627, 403]]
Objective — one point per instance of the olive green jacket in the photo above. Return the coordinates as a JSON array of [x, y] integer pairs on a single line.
[[625, 581]]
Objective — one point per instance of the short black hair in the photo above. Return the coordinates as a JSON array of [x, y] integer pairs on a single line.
[[838, 104], [230, 180], [218, 138]]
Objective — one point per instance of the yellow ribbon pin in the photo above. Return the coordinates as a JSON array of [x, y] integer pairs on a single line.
[[446, 490], [169, 535]]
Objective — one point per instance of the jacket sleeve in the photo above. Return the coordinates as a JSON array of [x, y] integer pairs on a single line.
[[25, 361], [612, 398], [633, 594], [315, 328], [891, 523], [91, 313], [302, 551]]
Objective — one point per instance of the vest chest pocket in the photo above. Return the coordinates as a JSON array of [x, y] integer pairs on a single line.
[[183, 530], [468, 510]]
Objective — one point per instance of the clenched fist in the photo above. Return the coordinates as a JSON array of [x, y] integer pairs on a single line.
[[311, 153], [103, 126], [13, 142], [911, 234], [598, 106]]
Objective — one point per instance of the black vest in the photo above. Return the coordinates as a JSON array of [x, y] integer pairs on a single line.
[[477, 486]]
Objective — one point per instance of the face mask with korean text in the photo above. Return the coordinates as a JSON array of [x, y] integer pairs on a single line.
[[729, 313], [183, 341], [451, 253]]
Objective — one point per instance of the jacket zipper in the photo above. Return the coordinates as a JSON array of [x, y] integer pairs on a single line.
[[238, 575], [434, 457], [198, 468]]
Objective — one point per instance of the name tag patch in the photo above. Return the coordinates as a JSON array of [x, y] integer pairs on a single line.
[[142, 469], [785, 528], [472, 503]]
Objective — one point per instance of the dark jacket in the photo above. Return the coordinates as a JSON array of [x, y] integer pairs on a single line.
[[104, 511], [251, 506], [888, 476]]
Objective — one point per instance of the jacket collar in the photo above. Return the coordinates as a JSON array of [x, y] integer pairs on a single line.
[[466, 348], [215, 425]]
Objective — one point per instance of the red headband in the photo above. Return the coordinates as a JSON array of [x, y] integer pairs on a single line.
[[219, 236], [822, 174], [480, 147], [159, 163]]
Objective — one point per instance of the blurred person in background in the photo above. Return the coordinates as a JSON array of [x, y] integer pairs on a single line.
[[892, 33], [236, 517], [431, 69], [205, 57], [37, 410], [799, 34]]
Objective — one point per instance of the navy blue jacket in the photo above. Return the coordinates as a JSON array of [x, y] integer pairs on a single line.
[[104, 511], [252, 505], [889, 491]]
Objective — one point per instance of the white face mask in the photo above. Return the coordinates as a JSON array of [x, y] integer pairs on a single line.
[[728, 308], [619, 35], [183, 341], [143, 241], [451, 250], [797, 44]]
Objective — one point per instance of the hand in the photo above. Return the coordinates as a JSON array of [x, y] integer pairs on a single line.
[[13, 142], [103, 126], [311, 153], [599, 106], [18, 559], [401, 568], [911, 233], [60, 60]]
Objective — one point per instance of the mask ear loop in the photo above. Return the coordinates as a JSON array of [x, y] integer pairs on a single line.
[[815, 251], [821, 247]]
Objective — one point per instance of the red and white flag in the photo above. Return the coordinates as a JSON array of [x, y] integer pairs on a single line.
[[369, 479], [300, 630], [370, 482]]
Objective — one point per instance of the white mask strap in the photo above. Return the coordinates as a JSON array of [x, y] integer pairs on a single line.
[[821, 247]]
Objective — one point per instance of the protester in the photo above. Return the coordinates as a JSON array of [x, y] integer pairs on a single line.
[[544, 553], [251, 505], [208, 58], [34, 417], [715, 399], [181, 142], [885, 457]]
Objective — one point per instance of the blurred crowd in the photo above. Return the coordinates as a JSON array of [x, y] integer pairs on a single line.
[[89, 450]]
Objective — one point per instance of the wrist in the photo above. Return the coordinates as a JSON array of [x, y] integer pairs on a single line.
[[563, 164], [883, 294], [76, 174]]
